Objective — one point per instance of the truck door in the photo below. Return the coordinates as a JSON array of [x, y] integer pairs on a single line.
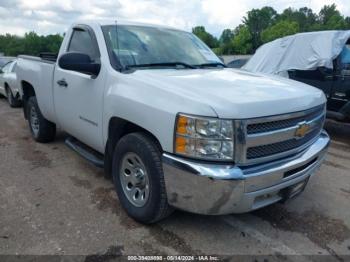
[[78, 97], [341, 87]]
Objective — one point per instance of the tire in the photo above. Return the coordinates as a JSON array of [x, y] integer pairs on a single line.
[[143, 147], [13, 102], [42, 130]]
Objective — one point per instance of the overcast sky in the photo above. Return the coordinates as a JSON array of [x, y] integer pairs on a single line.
[[54, 16]]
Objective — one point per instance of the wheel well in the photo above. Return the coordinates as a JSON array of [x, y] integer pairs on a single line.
[[117, 128], [28, 91]]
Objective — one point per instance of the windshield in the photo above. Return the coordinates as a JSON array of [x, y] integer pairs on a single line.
[[133, 46]]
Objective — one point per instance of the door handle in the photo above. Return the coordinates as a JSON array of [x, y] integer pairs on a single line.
[[62, 83]]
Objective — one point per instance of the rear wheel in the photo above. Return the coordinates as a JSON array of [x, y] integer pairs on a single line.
[[138, 178], [13, 102], [42, 130]]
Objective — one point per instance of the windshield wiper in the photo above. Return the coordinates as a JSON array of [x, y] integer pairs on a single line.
[[170, 64], [216, 64]]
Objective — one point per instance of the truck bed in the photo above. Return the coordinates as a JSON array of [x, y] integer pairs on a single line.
[[43, 57], [38, 71]]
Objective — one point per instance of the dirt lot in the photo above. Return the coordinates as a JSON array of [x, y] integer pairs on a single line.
[[54, 202]]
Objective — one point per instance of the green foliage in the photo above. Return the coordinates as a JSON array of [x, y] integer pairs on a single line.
[[305, 17], [242, 42], [257, 20], [226, 45], [347, 23], [218, 51], [226, 36], [265, 24], [258, 26], [331, 19], [30, 44], [206, 37], [281, 29]]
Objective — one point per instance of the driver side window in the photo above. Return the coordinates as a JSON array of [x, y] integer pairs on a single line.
[[82, 42]]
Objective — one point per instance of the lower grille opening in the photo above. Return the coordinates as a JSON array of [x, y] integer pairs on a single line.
[[298, 169]]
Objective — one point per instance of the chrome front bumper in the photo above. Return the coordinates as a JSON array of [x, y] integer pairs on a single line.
[[214, 189]]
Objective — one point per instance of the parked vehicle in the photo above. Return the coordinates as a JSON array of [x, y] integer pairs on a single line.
[[8, 84], [5, 59], [237, 63], [171, 124], [320, 59]]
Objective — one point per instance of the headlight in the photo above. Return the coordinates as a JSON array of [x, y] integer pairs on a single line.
[[204, 138]]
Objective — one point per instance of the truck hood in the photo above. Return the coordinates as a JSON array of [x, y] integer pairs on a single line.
[[235, 94]]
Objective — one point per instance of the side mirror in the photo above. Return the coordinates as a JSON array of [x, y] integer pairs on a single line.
[[1, 72], [79, 62]]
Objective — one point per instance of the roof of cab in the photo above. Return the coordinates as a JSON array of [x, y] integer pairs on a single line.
[[124, 22]]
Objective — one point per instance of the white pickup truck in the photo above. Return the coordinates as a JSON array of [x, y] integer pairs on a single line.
[[170, 123]]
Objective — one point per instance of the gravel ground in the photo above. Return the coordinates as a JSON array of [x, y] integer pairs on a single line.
[[53, 202]]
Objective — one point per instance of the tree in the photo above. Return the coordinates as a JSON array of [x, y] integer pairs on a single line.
[[207, 38], [242, 42], [327, 12], [10, 44], [347, 22], [305, 17], [30, 44], [257, 20], [279, 30], [33, 44], [330, 18], [53, 43], [258, 26], [226, 38], [336, 22]]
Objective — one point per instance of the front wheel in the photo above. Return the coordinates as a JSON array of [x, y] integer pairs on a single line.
[[13, 102], [138, 178], [42, 130]]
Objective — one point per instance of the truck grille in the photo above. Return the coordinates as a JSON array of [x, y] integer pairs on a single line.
[[279, 124], [270, 138], [271, 149]]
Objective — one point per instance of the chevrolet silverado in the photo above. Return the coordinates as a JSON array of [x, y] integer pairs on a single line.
[[171, 124]]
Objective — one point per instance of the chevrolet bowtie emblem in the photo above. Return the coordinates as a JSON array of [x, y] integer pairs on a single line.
[[302, 130]]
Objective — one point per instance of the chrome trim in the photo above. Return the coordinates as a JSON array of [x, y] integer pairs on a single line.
[[240, 141], [260, 176], [204, 169], [279, 155], [214, 188], [281, 135], [285, 116], [245, 140]]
